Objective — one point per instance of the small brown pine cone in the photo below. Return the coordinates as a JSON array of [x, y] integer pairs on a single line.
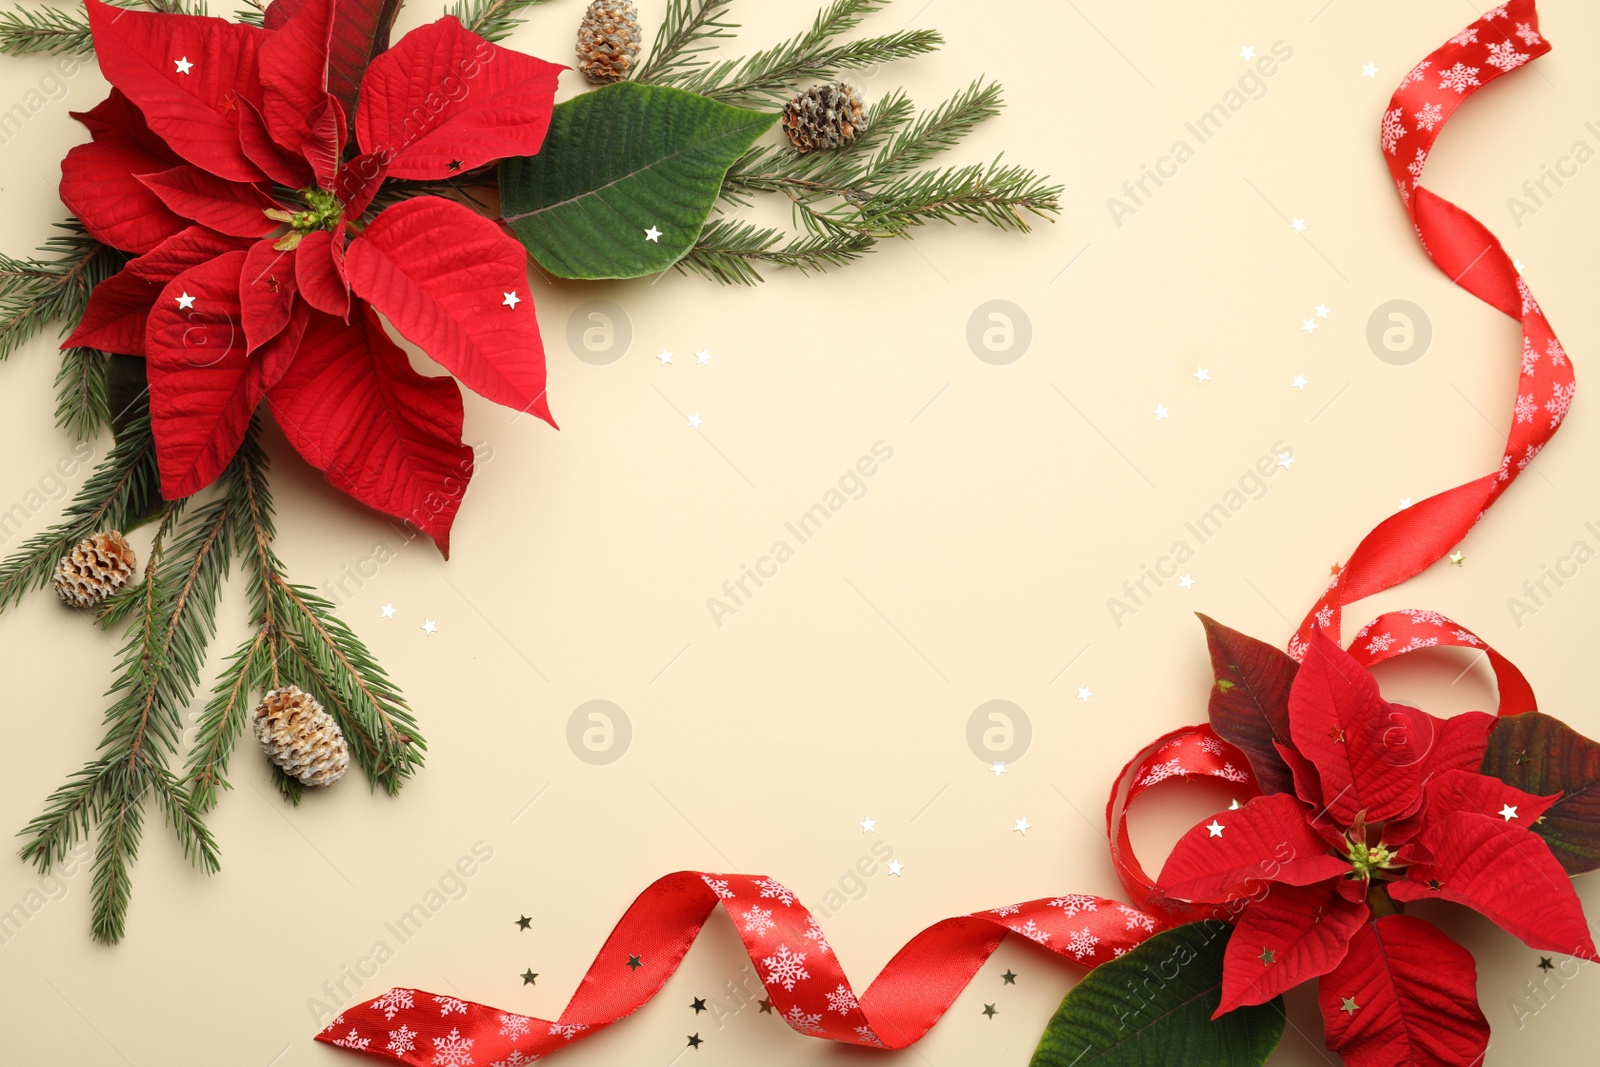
[[301, 738], [96, 567], [608, 40], [824, 116]]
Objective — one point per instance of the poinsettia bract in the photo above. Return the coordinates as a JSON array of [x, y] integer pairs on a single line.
[[1387, 807], [239, 165]]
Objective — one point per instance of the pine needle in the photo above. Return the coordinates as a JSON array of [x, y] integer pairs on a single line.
[[83, 392], [688, 30], [493, 20], [58, 31], [771, 76], [733, 253], [37, 291], [119, 492]]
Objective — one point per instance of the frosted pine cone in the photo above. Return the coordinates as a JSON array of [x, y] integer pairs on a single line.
[[301, 738], [96, 567], [608, 40], [824, 116]]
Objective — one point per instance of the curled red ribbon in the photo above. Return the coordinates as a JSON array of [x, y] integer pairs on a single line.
[[803, 979]]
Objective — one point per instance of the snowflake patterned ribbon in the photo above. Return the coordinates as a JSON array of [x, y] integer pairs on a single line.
[[802, 977]]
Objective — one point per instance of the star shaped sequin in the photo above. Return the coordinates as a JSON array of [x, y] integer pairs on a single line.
[[183, 64], [634, 963], [528, 977], [1350, 1006], [990, 1011], [653, 235], [511, 300], [1009, 977], [1215, 828], [698, 1004], [694, 1041], [524, 923], [185, 301]]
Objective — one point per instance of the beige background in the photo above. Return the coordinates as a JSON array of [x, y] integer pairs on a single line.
[[977, 565]]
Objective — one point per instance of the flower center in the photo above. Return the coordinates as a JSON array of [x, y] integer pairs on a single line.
[[324, 211], [1365, 858]]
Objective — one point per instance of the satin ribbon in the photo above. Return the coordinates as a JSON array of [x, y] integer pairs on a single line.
[[796, 966]]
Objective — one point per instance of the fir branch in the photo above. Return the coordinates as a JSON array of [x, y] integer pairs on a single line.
[[770, 76], [59, 31], [54, 31], [83, 392], [311, 647], [733, 253], [224, 718], [161, 661], [493, 20], [1002, 196], [115, 496], [35, 291], [687, 32]]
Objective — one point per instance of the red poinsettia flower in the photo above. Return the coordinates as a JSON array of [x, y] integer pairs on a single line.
[[1387, 808], [238, 164]]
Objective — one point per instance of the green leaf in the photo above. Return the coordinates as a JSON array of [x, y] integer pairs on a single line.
[[618, 163], [1154, 1005], [1541, 755], [1250, 702]]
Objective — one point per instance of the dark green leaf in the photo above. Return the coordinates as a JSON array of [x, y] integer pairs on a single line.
[[1250, 701], [1541, 755], [618, 164], [1154, 1005]]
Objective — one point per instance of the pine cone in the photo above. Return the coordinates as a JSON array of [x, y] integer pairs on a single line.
[[301, 738], [608, 40], [824, 116], [96, 567]]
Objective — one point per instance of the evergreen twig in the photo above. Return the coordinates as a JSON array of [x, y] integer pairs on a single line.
[[37, 291], [687, 31], [769, 76], [83, 392], [59, 31], [733, 253], [493, 20], [168, 637], [115, 496], [848, 199]]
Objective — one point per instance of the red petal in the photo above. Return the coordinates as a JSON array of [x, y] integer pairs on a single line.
[[283, 168], [228, 207], [324, 146], [99, 187], [358, 182], [1267, 840], [386, 435], [140, 52], [202, 388], [1495, 866], [446, 96], [114, 321], [441, 274], [1405, 996], [116, 120], [1460, 742], [120, 305], [266, 293], [1306, 928], [319, 268], [294, 72], [360, 31], [1370, 755]]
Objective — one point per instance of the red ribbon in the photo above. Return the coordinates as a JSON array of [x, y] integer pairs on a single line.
[[796, 966]]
